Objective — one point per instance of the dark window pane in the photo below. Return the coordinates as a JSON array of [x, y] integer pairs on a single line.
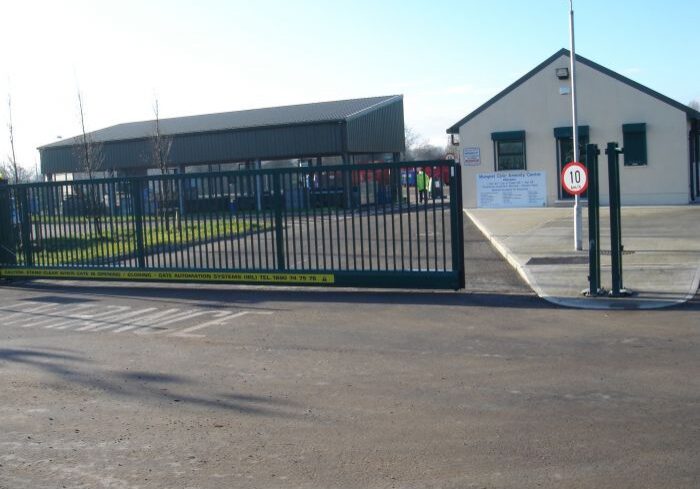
[[635, 147], [511, 163], [510, 147], [511, 155]]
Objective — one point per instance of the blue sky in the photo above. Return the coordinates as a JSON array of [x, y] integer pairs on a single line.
[[446, 57]]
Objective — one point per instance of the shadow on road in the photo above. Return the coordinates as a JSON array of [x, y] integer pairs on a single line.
[[218, 296], [692, 305], [174, 390]]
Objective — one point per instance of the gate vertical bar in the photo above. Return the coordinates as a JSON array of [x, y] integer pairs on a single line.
[[137, 209], [592, 153], [7, 235], [457, 224], [613, 152], [279, 225], [25, 225], [460, 226]]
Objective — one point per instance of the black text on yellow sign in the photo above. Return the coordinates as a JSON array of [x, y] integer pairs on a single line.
[[229, 277]]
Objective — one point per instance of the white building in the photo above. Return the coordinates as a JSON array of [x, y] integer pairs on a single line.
[[527, 128]]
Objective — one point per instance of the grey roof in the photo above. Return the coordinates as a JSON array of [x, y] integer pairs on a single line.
[[692, 113], [346, 127], [290, 115]]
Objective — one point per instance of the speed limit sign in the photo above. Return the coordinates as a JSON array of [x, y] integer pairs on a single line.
[[574, 178]]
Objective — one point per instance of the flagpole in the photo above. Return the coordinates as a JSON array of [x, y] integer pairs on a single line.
[[578, 225]]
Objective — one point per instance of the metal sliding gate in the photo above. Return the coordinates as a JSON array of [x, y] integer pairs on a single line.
[[354, 226]]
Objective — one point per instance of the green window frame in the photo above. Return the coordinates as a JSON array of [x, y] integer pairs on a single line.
[[567, 132], [634, 142], [509, 150]]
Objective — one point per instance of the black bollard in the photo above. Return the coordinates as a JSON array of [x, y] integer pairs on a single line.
[[594, 288], [613, 152]]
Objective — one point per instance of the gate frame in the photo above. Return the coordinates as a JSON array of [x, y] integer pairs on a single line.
[[413, 279]]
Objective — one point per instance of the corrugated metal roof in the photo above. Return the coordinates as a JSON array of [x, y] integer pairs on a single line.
[[340, 110]]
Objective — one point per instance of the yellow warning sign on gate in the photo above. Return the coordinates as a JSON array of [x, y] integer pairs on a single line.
[[177, 276]]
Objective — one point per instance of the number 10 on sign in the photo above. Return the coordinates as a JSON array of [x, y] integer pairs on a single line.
[[574, 178]]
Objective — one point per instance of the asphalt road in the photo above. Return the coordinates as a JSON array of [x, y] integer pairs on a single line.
[[197, 386]]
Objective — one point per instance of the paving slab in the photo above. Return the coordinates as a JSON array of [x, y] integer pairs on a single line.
[[661, 260]]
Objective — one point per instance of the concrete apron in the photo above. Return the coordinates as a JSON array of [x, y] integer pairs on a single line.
[[661, 262]]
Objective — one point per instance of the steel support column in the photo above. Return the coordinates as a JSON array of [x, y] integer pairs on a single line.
[[592, 153], [613, 152]]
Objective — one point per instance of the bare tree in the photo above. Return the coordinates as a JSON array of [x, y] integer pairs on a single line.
[[160, 149], [412, 139], [11, 128], [694, 104], [88, 151], [428, 151], [18, 174], [160, 144], [418, 149], [90, 156]]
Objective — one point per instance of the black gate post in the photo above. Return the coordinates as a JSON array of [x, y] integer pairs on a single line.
[[279, 225], [7, 232], [396, 188], [592, 153], [613, 152], [137, 209], [457, 221], [347, 182], [25, 222]]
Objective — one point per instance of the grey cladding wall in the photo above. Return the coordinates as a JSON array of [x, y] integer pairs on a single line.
[[206, 148], [115, 155], [379, 131], [263, 143]]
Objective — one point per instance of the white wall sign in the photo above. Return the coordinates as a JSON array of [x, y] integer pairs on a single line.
[[511, 189], [472, 156]]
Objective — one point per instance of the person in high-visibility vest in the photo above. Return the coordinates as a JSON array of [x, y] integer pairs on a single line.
[[423, 184]]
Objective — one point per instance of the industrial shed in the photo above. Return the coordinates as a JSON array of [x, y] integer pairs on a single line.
[[347, 131]]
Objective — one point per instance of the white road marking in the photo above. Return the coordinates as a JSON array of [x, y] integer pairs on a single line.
[[58, 315], [115, 321], [91, 317], [101, 314], [22, 316], [186, 333], [20, 305], [96, 317], [223, 317], [145, 321], [21, 313], [82, 319], [158, 327]]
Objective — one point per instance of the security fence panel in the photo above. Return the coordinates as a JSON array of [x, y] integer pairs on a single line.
[[373, 225]]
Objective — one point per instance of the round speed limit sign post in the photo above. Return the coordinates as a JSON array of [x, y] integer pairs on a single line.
[[574, 178]]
